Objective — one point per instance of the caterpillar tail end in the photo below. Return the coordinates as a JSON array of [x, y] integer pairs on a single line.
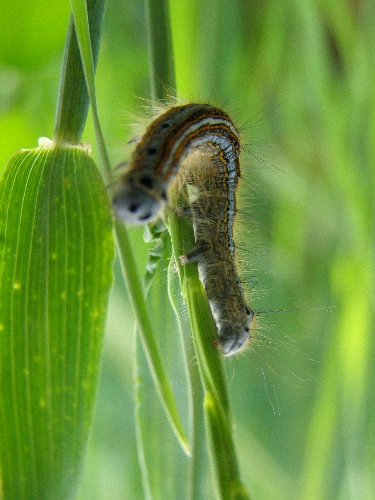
[[232, 344], [232, 340]]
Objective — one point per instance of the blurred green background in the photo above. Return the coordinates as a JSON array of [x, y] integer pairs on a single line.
[[298, 77]]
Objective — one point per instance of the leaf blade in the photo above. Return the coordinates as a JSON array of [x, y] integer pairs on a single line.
[[55, 262]]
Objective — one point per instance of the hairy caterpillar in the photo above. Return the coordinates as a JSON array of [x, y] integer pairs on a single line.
[[143, 194]]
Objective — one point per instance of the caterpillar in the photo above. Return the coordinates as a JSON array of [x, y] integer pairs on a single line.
[[213, 174]]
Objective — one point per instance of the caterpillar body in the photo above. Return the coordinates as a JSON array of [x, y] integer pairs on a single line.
[[210, 137]]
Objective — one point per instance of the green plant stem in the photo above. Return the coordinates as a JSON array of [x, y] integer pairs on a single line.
[[74, 101], [149, 344], [160, 49]]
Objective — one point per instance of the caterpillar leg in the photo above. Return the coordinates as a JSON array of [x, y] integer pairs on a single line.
[[182, 211], [194, 209], [197, 254]]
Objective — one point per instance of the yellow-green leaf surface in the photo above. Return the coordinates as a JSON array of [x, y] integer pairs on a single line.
[[56, 252]]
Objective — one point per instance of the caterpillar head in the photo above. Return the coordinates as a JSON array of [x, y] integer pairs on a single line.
[[140, 199]]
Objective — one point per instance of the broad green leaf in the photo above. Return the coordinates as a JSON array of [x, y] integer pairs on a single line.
[[56, 252]]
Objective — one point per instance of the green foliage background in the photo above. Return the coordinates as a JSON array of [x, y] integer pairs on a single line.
[[299, 77]]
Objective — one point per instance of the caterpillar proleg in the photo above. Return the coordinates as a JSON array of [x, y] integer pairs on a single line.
[[162, 155]]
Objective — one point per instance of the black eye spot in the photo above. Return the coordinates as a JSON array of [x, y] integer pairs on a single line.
[[248, 312], [145, 217], [133, 207], [164, 195], [247, 329], [165, 125], [146, 181], [151, 151]]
